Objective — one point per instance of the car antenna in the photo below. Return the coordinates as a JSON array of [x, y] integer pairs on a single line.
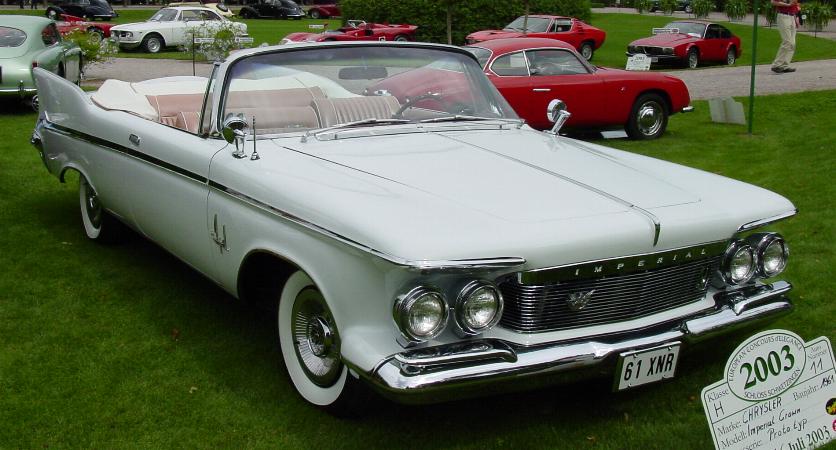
[[254, 156]]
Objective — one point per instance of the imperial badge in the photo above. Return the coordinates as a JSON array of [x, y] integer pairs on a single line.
[[578, 300]]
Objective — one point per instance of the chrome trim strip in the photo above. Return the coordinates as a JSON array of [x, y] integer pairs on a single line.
[[403, 378], [94, 140], [745, 299], [761, 222], [621, 265], [456, 264]]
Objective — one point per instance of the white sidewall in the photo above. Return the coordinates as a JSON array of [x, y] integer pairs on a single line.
[[92, 231]]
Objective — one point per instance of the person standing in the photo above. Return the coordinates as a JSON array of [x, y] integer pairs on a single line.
[[787, 12]]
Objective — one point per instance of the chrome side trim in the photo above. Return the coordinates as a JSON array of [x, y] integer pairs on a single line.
[[761, 222], [491, 366], [455, 264]]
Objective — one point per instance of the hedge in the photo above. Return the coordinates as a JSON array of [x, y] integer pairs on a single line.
[[467, 15]]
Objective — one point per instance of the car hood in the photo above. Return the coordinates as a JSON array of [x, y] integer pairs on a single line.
[[493, 193], [303, 37], [487, 35], [666, 40]]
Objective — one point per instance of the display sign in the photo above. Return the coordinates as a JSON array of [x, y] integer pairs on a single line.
[[665, 31], [203, 40], [315, 26], [639, 61], [778, 393], [244, 40]]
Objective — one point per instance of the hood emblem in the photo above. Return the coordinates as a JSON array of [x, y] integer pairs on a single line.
[[578, 300]]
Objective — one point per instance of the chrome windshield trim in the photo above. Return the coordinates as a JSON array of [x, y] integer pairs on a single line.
[[761, 222], [415, 264]]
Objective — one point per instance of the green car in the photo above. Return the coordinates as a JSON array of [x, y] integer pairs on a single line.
[[27, 42]]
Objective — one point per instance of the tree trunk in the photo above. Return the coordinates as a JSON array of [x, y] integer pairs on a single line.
[[449, 22], [525, 20]]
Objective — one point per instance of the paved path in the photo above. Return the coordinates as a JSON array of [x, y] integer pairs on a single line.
[[702, 83]]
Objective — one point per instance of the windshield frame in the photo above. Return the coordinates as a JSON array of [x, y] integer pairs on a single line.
[[531, 19], [220, 95], [682, 31]]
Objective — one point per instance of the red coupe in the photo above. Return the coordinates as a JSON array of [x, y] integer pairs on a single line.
[[690, 42], [322, 9], [358, 30], [97, 30], [584, 37]]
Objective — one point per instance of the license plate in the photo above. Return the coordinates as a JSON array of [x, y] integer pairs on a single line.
[[646, 366], [654, 59]]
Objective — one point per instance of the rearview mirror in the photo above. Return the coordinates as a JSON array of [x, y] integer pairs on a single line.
[[556, 113], [235, 131], [363, 73]]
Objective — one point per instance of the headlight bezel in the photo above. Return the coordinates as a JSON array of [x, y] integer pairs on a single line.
[[406, 302], [734, 248], [761, 242], [460, 310]]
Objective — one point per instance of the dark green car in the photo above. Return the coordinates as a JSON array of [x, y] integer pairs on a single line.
[[27, 42]]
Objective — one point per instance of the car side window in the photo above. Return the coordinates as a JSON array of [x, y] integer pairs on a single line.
[[713, 32], [190, 15], [50, 35], [554, 62], [209, 15], [561, 26], [725, 33], [511, 65]]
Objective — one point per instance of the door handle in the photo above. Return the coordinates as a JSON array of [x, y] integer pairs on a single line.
[[135, 140], [541, 90]]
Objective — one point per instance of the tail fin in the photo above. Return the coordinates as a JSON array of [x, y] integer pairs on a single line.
[[59, 100]]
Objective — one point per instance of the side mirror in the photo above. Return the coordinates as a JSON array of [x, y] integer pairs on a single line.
[[235, 131], [556, 113]]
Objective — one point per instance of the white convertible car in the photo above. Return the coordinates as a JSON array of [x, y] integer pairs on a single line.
[[429, 247], [169, 27]]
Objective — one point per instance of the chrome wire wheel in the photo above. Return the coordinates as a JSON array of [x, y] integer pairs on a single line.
[[731, 57], [92, 212], [650, 117], [315, 339], [587, 51]]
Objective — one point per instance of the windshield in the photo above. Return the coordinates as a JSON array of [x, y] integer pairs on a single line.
[[535, 24], [11, 37], [164, 15], [482, 54], [688, 27], [315, 88]]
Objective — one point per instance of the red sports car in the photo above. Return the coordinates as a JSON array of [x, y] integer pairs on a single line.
[[97, 30], [583, 37], [530, 73], [358, 30], [324, 8], [690, 42]]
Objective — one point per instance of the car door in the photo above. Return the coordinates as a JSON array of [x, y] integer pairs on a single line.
[[560, 74], [714, 44], [190, 20], [509, 73]]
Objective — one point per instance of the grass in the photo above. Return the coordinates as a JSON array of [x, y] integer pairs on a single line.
[[621, 30], [125, 346]]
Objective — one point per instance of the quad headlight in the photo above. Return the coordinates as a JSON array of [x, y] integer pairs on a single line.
[[421, 314], [478, 307], [771, 252], [738, 263]]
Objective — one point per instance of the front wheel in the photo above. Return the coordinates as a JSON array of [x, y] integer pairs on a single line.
[[693, 59], [310, 344], [731, 56], [648, 118], [315, 14], [152, 44], [99, 225], [587, 50]]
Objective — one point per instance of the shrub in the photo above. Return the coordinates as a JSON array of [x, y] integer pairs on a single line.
[[736, 9], [702, 8], [467, 15], [818, 15], [224, 35], [642, 6], [93, 50], [667, 6]]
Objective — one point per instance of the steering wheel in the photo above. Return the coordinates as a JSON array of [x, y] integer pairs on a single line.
[[412, 101]]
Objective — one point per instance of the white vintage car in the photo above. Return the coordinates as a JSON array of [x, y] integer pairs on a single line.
[[169, 27], [429, 247]]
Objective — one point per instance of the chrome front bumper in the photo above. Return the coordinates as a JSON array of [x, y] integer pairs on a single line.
[[463, 369]]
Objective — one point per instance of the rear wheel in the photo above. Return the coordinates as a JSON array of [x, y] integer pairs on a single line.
[[95, 34], [245, 14], [731, 56], [648, 118], [400, 38], [315, 14], [99, 225], [693, 58], [310, 344], [152, 43], [587, 50]]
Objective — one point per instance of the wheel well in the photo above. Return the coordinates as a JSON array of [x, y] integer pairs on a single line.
[[693, 47], [262, 277], [156, 35], [660, 93]]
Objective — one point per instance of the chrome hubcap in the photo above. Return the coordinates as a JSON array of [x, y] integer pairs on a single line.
[[154, 45], [692, 60], [650, 118], [92, 206], [730, 58], [315, 339], [586, 52]]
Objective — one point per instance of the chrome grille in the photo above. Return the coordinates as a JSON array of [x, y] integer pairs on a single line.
[[537, 308], [648, 50]]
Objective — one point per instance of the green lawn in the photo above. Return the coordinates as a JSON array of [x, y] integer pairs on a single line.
[[125, 346], [621, 30]]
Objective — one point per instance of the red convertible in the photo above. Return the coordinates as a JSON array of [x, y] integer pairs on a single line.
[[358, 30], [97, 30], [690, 42], [583, 37], [530, 73]]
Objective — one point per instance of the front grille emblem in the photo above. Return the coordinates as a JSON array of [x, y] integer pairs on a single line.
[[578, 300]]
